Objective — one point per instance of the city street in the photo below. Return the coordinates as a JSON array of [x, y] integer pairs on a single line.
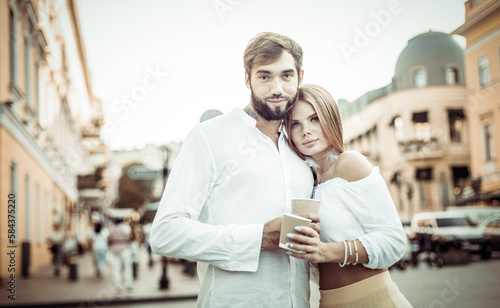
[[475, 284], [459, 286]]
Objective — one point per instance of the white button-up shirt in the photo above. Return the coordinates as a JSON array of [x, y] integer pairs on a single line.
[[228, 180]]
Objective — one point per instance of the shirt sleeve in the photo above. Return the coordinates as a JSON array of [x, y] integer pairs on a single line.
[[370, 201], [176, 230]]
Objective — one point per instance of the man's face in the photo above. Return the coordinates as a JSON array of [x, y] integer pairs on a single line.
[[274, 87]]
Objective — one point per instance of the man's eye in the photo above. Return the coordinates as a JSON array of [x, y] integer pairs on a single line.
[[288, 76], [264, 78]]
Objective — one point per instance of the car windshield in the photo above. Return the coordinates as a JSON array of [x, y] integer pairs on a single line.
[[452, 222]]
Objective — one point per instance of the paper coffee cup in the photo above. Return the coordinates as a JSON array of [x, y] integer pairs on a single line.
[[304, 206], [289, 222]]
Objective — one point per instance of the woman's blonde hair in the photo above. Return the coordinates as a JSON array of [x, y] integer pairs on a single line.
[[328, 113]]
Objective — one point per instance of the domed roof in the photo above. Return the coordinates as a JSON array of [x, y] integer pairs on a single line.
[[210, 114], [434, 52]]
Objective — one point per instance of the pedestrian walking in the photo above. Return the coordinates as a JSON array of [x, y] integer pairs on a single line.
[[146, 229], [119, 241], [99, 242], [55, 242]]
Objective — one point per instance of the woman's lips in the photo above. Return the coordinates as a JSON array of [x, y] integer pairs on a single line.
[[309, 143]]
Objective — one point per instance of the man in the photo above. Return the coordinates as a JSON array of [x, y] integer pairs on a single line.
[[233, 177]]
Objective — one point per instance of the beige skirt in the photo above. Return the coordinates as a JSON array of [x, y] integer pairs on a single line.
[[376, 291]]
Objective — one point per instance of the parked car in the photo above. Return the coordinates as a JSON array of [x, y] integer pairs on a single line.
[[450, 230], [491, 230]]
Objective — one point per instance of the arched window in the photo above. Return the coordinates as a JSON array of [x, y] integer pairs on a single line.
[[452, 76], [399, 128], [419, 78]]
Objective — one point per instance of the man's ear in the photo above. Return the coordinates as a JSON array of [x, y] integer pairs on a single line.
[[247, 80], [301, 76]]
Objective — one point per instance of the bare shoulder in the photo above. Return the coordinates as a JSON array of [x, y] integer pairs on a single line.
[[352, 166]]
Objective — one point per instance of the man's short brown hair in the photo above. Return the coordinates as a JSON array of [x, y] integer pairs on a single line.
[[267, 47]]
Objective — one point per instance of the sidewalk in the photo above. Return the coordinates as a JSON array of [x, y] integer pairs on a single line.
[[42, 288]]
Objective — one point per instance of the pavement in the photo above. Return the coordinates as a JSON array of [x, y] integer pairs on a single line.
[[42, 288]]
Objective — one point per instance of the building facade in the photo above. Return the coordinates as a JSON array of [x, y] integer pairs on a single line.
[[482, 66], [415, 127], [46, 103]]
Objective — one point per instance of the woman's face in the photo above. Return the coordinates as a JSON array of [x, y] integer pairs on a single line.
[[306, 131]]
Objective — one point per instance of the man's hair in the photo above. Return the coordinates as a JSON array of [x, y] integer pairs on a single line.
[[267, 47], [328, 113]]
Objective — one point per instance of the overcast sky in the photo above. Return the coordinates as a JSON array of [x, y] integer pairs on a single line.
[[158, 65]]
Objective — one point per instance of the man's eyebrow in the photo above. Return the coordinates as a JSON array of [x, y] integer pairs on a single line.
[[288, 71], [262, 72]]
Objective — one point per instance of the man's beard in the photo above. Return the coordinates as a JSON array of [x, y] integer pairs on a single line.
[[267, 112]]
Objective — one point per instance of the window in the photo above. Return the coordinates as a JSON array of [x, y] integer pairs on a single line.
[[488, 140], [27, 208], [421, 126], [399, 128], [424, 178], [38, 214], [27, 72], [456, 125], [452, 222], [420, 78], [484, 70], [12, 45], [13, 177], [452, 76]]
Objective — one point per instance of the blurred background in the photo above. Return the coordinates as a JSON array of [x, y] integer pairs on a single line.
[[96, 98]]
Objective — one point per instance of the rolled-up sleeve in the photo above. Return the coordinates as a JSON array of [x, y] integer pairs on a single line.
[[371, 203], [176, 229]]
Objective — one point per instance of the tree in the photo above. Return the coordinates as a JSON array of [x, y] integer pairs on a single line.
[[133, 192]]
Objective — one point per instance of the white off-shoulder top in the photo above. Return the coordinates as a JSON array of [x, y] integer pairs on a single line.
[[364, 210]]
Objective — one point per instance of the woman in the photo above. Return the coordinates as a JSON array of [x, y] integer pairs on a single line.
[[100, 247], [361, 234]]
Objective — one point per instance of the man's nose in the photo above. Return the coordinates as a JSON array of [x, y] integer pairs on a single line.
[[277, 88]]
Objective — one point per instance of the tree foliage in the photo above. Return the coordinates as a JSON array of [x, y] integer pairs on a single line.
[[133, 192]]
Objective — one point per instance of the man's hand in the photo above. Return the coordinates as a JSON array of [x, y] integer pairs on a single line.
[[271, 234]]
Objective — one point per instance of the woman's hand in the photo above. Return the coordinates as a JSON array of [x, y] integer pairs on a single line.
[[310, 246]]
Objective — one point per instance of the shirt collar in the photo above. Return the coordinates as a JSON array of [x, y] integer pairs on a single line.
[[251, 121]]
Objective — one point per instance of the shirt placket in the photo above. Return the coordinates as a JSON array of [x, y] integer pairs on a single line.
[[286, 180]]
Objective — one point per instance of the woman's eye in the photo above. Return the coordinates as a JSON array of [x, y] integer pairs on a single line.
[[314, 119], [295, 125]]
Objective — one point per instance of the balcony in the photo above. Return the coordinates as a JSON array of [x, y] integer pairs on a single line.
[[418, 149]]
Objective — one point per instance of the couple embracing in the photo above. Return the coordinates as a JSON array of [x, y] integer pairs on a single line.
[[235, 175]]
